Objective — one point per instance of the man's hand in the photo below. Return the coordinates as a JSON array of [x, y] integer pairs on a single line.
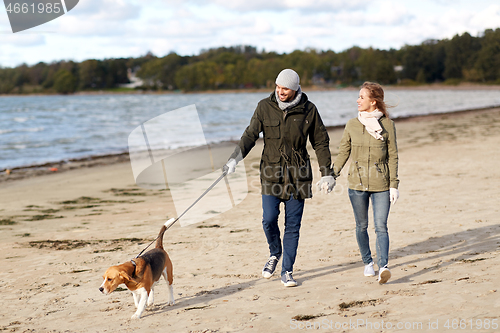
[[326, 184], [230, 166]]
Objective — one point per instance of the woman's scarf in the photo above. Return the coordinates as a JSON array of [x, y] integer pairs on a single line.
[[370, 121]]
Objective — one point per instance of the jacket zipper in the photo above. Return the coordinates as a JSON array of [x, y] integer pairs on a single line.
[[287, 177], [357, 168]]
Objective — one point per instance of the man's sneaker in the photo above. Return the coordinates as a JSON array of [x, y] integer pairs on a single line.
[[384, 274], [369, 271], [270, 267], [287, 280]]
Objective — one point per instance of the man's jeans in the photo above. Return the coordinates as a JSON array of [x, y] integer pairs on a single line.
[[293, 217], [381, 206]]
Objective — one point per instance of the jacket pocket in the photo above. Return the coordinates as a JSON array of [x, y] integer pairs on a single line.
[[271, 169], [382, 172], [272, 129]]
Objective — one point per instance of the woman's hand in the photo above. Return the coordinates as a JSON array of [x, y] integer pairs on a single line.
[[393, 195]]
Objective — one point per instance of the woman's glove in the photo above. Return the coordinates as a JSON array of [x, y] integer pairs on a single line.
[[326, 184], [230, 166], [393, 195]]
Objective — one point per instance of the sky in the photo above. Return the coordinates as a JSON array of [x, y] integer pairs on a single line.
[[99, 29]]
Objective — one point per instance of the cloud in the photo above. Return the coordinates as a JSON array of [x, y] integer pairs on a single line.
[[454, 21], [97, 18], [24, 40], [390, 14], [489, 18], [277, 5], [386, 13], [76, 26], [107, 10], [259, 26], [122, 28], [282, 43], [197, 28], [393, 24]]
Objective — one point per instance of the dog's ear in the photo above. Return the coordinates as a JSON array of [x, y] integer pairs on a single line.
[[128, 280], [140, 266], [125, 276]]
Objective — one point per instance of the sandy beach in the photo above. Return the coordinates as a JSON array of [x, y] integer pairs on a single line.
[[61, 230]]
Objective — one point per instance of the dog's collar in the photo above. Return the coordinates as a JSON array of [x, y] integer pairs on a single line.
[[135, 266]]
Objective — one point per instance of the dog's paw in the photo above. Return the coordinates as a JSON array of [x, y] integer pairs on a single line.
[[171, 302], [136, 316]]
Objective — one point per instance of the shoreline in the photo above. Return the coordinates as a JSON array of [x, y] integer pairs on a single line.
[[19, 172], [433, 86]]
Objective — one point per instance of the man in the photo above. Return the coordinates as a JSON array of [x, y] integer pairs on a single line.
[[286, 118]]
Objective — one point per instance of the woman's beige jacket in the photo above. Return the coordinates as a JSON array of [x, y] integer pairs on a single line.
[[374, 163]]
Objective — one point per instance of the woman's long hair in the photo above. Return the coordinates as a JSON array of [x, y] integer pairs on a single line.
[[377, 94]]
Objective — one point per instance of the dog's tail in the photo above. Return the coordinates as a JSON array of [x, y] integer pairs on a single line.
[[159, 240]]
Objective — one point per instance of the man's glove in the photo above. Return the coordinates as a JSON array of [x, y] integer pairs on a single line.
[[393, 195], [326, 184], [230, 166]]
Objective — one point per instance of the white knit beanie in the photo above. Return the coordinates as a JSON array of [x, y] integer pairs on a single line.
[[288, 78]]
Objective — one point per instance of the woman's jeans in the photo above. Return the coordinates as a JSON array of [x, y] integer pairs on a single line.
[[381, 205], [293, 217]]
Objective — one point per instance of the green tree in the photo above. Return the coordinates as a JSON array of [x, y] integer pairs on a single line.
[[38, 73], [424, 62], [256, 74], [384, 72], [201, 75], [349, 71], [91, 73], [488, 58], [6, 80], [327, 67], [303, 62], [115, 72], [65, 82], [162, 71], [460, 54]]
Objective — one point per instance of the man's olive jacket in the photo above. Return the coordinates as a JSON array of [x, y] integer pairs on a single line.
[[285, 167]]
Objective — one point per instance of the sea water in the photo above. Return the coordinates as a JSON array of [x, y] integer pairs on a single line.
[[41, 129]]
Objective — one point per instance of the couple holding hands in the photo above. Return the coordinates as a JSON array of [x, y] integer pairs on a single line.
[[287, 120]]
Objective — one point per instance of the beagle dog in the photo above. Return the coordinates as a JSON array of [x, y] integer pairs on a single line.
[[141, 274]]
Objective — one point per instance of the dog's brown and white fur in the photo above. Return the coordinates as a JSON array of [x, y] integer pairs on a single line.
[[141, 274]]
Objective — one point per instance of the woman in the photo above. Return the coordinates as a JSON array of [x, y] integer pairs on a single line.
[[370, 141]]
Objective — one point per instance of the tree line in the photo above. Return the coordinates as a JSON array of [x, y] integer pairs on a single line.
[[463, 58]]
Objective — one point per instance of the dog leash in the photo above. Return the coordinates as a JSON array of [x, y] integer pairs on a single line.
[[224, 174]]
